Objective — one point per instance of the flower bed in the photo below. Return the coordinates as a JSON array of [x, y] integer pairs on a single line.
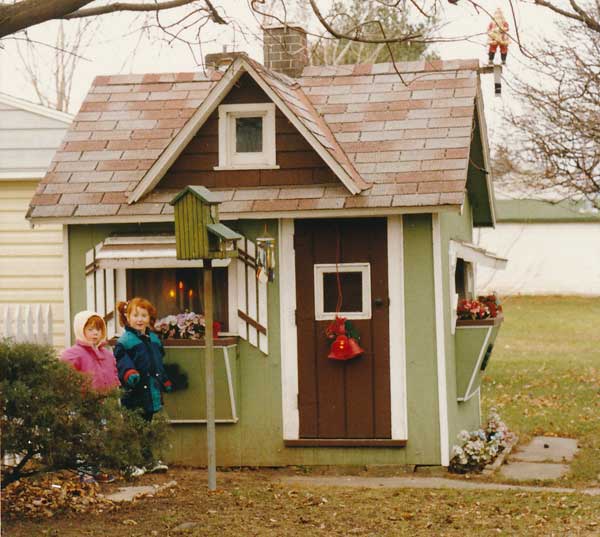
[[476, 449], [184, 326]]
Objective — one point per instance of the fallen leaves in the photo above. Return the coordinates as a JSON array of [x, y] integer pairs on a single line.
[[50, 494]]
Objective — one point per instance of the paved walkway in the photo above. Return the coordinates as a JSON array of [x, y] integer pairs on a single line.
[[421, 483], [545, 457]]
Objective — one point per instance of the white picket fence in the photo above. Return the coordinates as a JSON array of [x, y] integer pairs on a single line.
[[26, 322]]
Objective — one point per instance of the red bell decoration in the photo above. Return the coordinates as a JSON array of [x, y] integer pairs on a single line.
[[344, 347]]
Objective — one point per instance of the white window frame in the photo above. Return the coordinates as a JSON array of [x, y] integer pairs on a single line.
[[327, 268], [229, 159]]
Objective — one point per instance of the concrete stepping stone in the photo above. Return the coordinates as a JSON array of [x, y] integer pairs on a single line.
[[525, 471], [128, 494], [547, 449]]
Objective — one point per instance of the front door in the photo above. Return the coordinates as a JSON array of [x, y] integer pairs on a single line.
[[343, 399]]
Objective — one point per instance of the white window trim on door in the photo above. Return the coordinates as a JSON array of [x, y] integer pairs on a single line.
[[328, 268], [289, 335], [229, 159]]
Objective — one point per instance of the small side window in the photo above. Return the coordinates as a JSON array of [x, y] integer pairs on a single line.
[[463, 279], [350, 282]]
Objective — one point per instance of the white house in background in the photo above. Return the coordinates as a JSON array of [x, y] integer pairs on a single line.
[[31, 260], [553, 248]]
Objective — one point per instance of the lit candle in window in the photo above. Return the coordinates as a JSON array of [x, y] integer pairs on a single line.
[[180, 286], [172, 293], [191, 299]]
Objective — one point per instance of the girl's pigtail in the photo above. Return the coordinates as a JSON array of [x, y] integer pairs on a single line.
[[122, 309]]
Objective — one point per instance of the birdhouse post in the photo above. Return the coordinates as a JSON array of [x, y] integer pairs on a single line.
[[200, 235]]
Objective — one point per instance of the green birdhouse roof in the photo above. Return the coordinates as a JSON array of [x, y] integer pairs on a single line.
[[223, 232], [200, 192]]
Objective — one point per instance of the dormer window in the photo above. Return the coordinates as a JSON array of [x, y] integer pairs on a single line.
[[246, 136]]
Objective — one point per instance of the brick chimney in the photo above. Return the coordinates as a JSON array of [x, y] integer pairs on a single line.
[[285, 49]]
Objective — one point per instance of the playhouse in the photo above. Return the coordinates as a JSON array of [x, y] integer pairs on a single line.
[[355, 191]]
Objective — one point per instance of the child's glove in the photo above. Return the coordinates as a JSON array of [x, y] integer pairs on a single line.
[[168, 386], [132, 377]]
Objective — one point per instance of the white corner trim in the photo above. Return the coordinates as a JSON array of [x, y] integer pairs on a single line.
[[398, 392], [189, 130], [66, 285], [440, 340], [36, 108], [288, 333]]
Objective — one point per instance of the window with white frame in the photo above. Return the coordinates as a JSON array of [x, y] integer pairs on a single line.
[[247, 136], [350, 282]]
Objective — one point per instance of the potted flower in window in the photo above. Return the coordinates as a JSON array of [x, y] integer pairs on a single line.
[[477, 325], [184, 328]]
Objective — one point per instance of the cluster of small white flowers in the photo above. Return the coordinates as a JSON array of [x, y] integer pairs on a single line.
[[480, 447]]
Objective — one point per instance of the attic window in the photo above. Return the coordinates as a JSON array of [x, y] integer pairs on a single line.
[[246, 136]]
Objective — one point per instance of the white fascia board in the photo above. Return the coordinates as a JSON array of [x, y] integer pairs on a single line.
[[22, 176], [185, 135], [479, 110], [248, 215], [36, 108], [476, 254]]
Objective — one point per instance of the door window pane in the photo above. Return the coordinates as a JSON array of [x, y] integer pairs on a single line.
[[351, 285], [248, 134]]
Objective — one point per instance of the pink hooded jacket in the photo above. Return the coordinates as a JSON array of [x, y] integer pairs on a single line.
[[98, 362]]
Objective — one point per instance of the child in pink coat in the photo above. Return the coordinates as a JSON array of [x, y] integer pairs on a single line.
[[90, 354]]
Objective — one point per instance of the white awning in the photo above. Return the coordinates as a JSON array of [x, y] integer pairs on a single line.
[[477, 254], [144, 252]]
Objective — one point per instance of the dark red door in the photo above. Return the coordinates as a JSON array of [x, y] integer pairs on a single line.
[[343, 399]]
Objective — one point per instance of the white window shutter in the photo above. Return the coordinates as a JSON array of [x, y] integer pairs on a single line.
[[252, 299], [104, 289]]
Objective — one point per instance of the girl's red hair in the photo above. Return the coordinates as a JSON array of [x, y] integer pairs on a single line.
[[125, 309], [95, 321]]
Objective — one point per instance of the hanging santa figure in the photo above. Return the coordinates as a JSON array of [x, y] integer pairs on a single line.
[[498, 36]]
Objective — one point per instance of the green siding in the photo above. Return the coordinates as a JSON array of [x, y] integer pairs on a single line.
[[461, 415], [257, 439]]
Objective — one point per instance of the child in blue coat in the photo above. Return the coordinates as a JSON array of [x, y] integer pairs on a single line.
[[139, 354]]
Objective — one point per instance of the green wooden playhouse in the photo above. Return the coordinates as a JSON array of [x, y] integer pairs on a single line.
[[358, 176]]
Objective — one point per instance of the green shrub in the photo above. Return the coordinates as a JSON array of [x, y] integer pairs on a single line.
[[52, 419]]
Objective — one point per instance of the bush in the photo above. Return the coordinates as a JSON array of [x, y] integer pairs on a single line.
[[52, 419]]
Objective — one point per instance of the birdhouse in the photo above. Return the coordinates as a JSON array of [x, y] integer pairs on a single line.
[[198, 232]]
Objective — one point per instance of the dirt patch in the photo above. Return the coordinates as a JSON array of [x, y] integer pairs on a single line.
[[255, 503]]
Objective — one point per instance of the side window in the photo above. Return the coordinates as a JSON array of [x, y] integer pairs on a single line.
[[463, 279], [348, 284]]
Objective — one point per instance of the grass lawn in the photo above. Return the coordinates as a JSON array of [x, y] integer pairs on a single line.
[[544, 378], [544, 375]]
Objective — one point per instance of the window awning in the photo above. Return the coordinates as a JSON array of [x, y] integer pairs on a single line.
[[144, 252], [477, 254]]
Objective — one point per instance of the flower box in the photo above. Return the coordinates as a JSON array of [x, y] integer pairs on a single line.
[[474, 341], [187, 406]]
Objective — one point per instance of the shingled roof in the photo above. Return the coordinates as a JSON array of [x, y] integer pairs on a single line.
[[393, 140]]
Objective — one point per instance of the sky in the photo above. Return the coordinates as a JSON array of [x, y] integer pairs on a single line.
[[117, 46]]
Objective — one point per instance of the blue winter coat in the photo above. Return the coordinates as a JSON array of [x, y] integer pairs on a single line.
[[144, 353]]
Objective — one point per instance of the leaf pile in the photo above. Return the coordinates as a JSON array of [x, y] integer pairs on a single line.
[[52, 494]]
